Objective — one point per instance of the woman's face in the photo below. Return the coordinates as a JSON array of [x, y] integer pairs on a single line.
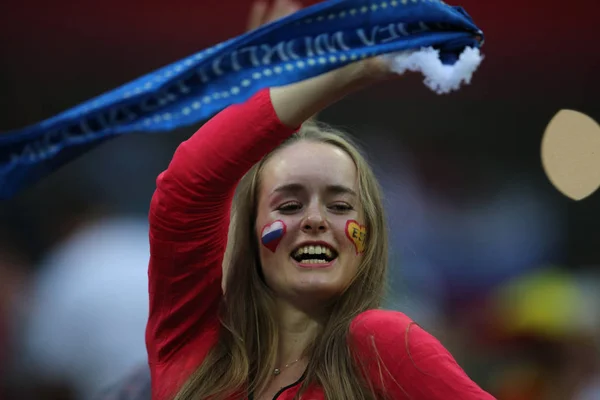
[[309, 222]]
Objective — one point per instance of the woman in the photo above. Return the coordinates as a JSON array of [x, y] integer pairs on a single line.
[[306, 263]]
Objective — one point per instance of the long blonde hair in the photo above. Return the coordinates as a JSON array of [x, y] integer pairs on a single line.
[[244, 357]]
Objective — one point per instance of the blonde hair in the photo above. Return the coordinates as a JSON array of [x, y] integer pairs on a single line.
[[244, 357]]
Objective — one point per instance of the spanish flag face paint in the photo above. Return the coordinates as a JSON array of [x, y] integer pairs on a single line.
[[357, 234]]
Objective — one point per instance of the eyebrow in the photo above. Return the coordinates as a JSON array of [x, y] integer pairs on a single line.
[[294, 188]]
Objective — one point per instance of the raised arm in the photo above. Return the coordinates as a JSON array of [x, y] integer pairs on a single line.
[[297, 102], [189, 217], [189, 212]]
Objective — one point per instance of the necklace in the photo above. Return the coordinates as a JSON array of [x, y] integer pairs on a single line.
[[277, 371]]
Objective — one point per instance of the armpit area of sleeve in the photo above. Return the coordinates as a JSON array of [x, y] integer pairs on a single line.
[[261, 115], [232, 141]]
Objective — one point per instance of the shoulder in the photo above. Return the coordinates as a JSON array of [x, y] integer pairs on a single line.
[[403, 360], [388, 337], [381, 327], [391, 334], [375, 318], [392, 340]]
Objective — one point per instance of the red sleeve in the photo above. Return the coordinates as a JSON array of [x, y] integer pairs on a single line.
[[405, 362], [189, 219]]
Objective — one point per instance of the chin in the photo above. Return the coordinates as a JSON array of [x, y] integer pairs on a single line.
[[322, 277], [310, 282], [318, 289]]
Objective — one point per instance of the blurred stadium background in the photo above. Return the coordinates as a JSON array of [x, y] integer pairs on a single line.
[[487, 254]]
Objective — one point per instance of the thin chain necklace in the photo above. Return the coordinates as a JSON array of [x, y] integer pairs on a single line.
[[277, 371]]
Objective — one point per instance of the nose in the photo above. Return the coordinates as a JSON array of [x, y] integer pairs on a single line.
[[314, 222]]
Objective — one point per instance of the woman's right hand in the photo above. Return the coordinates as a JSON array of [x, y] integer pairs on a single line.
[[375, 68], [297, 102]]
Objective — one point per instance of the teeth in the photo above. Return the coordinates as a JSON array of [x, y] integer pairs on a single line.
[[313, 250], [314, 261]]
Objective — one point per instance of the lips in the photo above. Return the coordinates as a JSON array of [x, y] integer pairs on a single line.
[[320, 265]]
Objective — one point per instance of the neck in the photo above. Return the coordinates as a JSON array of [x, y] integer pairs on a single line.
[[297, 330]]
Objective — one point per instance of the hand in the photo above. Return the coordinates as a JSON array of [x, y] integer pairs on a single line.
[[374, 69], [261, 14], [301, 101]]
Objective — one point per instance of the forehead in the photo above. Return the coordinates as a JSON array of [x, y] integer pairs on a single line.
[[311, 164]]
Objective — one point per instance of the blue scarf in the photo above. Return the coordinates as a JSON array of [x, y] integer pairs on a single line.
[[310, 42]]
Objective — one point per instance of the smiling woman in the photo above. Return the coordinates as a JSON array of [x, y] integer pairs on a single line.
[[306, 260]]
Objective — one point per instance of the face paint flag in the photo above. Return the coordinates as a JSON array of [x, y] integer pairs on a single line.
[[357, 234], [272, 234], [308, 43]]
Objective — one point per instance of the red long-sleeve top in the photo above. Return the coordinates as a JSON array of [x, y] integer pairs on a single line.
[[189, 218]]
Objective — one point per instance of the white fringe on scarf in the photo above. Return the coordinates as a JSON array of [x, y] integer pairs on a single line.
[[438, 77]]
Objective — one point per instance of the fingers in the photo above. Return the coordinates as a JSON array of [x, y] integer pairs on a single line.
[[261, 13], [283, 8], [258, 14]]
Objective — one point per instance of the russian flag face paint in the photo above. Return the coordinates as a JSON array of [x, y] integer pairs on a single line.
[[357, 234], [272, 234]]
